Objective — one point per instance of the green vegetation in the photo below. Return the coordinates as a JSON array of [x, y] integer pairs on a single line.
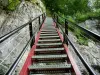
[[75, 11], [36, 2], [13, 4], [97, 4], [48, 13], [81, 17], [80, 10], [67, 7], [81, 38]]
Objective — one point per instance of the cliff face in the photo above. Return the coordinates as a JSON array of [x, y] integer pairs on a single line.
[[4, 2], [10, 48], [92, 25]]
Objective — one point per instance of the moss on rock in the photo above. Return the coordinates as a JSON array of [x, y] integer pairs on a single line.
[[39, 4], [13, 4]]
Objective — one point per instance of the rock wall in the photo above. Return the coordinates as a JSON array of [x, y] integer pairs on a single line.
[[10, 48], [4, 2], [93, 25], [91, 52]]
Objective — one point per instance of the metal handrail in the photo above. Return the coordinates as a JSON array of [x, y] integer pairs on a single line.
[[7, 35], [88, 67], [14, 65], [30, 41], [88, 32]]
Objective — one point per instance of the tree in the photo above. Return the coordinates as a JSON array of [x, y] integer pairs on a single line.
[[97, 4], [67, 7]]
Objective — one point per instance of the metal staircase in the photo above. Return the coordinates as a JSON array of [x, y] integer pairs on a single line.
[[50, 56]]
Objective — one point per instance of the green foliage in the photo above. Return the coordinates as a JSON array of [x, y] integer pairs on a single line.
[[38, 4], [81, 17], [13, 4], [67, 7], [95, 14], [80, 37], [48, 13], [33, 1], [97, 4], [71, 19], [82, 41], [79, 34], [75, 11]]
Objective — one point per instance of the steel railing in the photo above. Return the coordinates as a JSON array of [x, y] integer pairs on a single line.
[[30, 41], [67, 40]]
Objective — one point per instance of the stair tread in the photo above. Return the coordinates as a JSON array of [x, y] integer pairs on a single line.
[[49, 56], [48, 44], [49, 36], [57, 72], [49, 32], [58, 66], [54, 74], [49, 40], [46, 61], [49, 49], [49, 28]]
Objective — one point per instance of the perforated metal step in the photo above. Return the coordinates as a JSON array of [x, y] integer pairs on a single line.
[[44, 67], [49, 56], [52, 73], [48, 32], [49, 36], [49, 27], [50, 49], [49, 40], [49, 60], [49, 44], [45, 30]]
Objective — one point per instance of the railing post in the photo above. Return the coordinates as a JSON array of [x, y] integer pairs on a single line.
[[57, 21], [39, 22], [42, 16], [54, 17], [66, 32], [66, 27], [31, 34]]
